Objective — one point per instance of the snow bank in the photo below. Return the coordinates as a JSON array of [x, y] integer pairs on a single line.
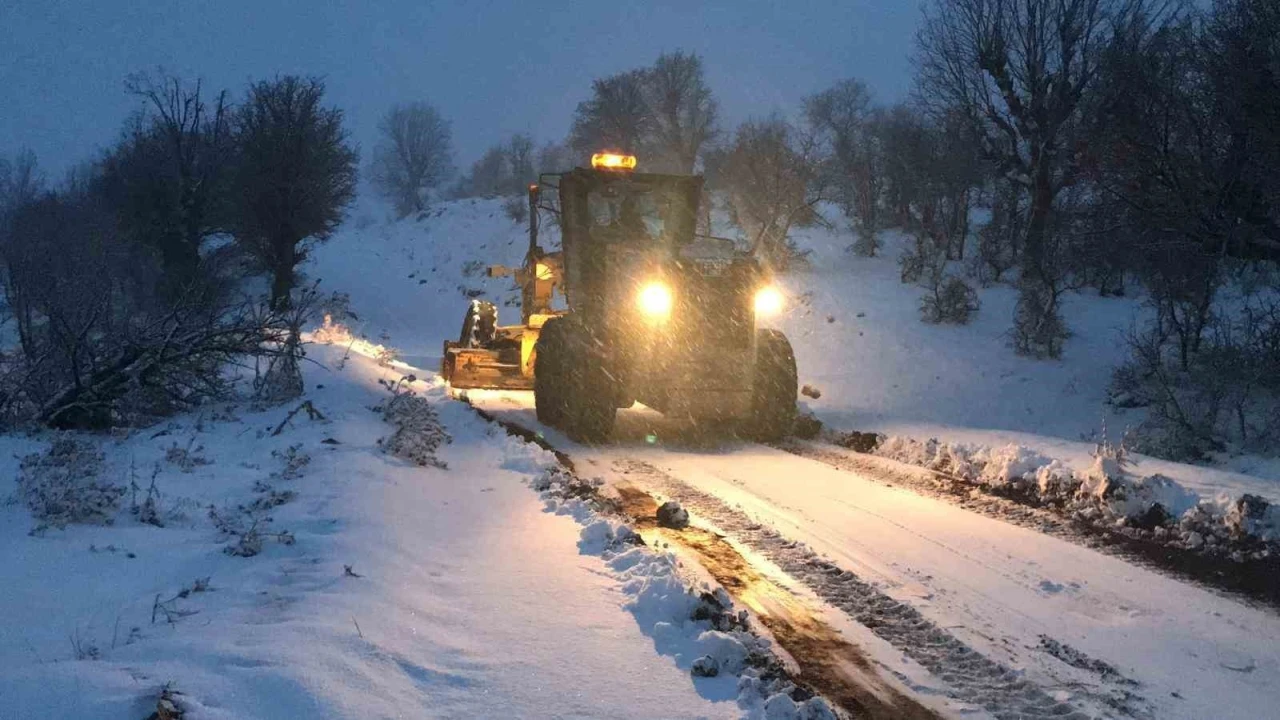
[[1106, 493], [311, 573], [687, 619]]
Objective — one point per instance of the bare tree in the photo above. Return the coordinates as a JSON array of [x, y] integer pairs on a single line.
[[770, 174], [553, 158], [505, 169], [616, 117], [295, 175], [1020, 71], [95, 351], [520, 158], [413, 156], [167, 178], [1187, 141], [684, 112], [905, 139], [841, 118], [20, 181]]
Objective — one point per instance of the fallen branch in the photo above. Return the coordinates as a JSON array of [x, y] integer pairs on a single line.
[[312, 413]]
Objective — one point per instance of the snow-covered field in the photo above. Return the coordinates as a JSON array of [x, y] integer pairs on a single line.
[[859, 340], [855, 327], [464, 597], [386, 589]]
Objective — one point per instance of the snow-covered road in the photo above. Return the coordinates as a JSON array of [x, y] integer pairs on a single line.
[[1109, 636], [925, 578]]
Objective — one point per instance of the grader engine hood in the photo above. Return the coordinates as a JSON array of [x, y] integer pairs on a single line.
[[714, 302]]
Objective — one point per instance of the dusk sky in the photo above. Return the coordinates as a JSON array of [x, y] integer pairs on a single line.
[[492, 67]]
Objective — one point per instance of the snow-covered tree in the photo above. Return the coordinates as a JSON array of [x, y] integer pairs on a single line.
[[414, 156]]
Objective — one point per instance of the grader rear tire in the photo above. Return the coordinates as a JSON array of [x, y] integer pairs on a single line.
[[479, 325], [775, 386]]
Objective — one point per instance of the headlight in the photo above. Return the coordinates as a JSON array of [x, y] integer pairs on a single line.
[[655, 300], [768, 301]]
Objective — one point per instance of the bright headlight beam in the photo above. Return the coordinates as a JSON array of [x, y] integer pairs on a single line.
[[655, 300], [768, 301]]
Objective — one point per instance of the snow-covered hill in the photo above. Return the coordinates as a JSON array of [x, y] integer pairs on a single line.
[[377, 588], [855, 326]]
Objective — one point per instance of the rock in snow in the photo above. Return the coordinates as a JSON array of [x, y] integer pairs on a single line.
[[781, 707], [705, 666], [671, 515], [726, 650]]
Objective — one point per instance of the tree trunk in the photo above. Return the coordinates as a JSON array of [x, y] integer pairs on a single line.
[[1037, 226], [282, 274], [281, 285], [181, 262]]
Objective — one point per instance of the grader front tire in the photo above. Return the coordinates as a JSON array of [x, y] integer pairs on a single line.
[[775, 386], [548, 374]]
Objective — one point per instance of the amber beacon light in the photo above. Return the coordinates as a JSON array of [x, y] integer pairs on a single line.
[[613, 161]]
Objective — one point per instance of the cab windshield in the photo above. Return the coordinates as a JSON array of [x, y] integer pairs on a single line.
[[627, 213]]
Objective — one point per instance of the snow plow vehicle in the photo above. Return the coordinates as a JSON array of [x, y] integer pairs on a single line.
[[656, 313]]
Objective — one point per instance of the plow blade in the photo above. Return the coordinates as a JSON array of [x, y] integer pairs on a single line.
[[481, 369]]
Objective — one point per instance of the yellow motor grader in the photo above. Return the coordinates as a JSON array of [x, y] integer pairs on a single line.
[[656, 313]]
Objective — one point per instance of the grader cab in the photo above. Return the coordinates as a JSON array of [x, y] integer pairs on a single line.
[[655, 313]]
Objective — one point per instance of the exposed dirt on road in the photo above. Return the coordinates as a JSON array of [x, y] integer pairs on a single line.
[[829, 665]]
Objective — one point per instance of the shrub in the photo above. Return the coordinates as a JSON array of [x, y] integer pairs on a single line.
[[866, 244], [998, 239], [911, 265], [62, 485], [1226, 393], [516, 207], [1038, 328], [186, 458], [418, 434], [951, 300]]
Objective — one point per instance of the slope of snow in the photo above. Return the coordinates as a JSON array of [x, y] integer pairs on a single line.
[[855, 327], [859, 339], [465, 598], [407, 279]]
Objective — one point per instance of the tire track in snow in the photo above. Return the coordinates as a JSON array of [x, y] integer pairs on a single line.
[[830, 665], [971, 676], [1252, 582]]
